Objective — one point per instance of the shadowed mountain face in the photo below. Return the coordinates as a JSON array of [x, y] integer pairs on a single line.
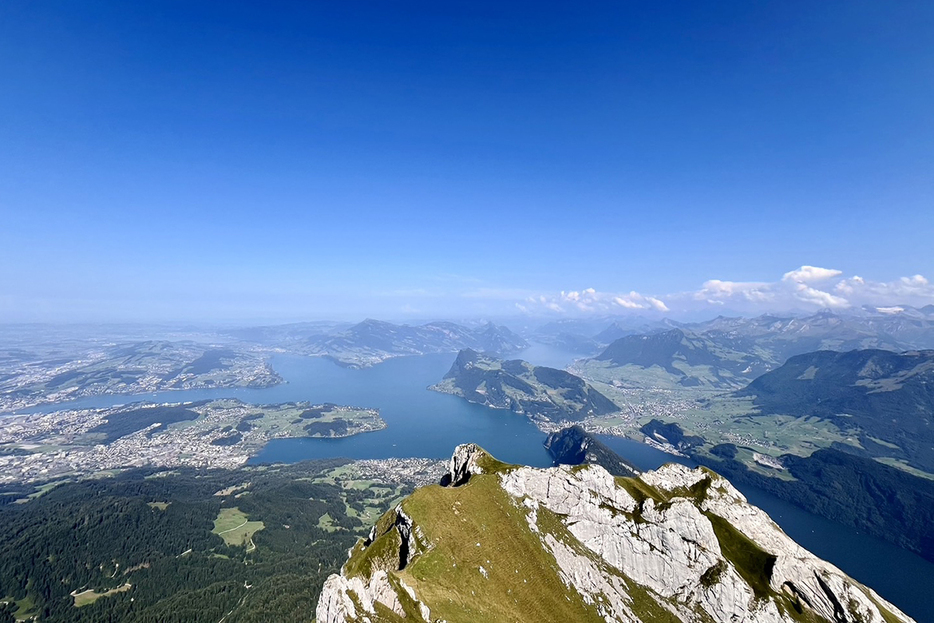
[[691, 359], [779, 338], [575, 446], [884, 399], [659, 349], [540, 392]]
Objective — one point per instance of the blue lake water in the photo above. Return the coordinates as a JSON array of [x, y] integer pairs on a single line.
[[420, 422], [423, 423]]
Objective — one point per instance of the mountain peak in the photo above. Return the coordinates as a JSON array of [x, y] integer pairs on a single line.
[[513, 543]]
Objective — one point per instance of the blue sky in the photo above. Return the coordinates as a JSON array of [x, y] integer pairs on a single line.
[[280, 161]]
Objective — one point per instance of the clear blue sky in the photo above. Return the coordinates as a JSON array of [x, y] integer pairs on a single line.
[[197, 160]]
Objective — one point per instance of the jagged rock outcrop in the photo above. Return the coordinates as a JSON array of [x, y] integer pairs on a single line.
[[577, 544], [373, 585], [575, 446], [464, 462]]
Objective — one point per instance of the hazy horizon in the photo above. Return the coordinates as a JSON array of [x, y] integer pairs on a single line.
[[522, 320], [197, 162]]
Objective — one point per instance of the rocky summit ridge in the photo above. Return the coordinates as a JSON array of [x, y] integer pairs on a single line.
[[509, 543]]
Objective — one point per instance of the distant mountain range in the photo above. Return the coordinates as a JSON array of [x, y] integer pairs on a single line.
[[784, 337], [764, 342], [373, 341], [727, 353], [541, 393], [588, 336], [284, 335], [691, 359]]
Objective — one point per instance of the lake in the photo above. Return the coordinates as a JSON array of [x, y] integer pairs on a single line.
[[423, 423]]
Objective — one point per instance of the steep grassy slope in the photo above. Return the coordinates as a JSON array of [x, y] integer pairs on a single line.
[[510, 543], [674, 358], [884, 399], [484, 547]]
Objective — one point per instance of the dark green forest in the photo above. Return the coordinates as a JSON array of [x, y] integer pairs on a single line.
[[154, 531]]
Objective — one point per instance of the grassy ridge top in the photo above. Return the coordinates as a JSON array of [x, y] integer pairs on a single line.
[[517, 544], [486, 564]]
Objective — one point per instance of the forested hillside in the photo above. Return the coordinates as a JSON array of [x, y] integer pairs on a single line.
[[155, 546]]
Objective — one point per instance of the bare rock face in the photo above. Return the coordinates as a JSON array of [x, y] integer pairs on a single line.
[[336, 603], [673, 544], [575, 446], [464, 464]]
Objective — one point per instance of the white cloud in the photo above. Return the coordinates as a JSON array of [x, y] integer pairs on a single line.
[[915, 290], [626, 303], [717, 291], [797, 288], [589, 300], [820, 298], [805, 288], [848, 286], [657, 303], [810, 274]]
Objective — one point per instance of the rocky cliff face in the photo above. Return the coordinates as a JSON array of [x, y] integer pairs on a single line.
[[575, 446], [509, 543]]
